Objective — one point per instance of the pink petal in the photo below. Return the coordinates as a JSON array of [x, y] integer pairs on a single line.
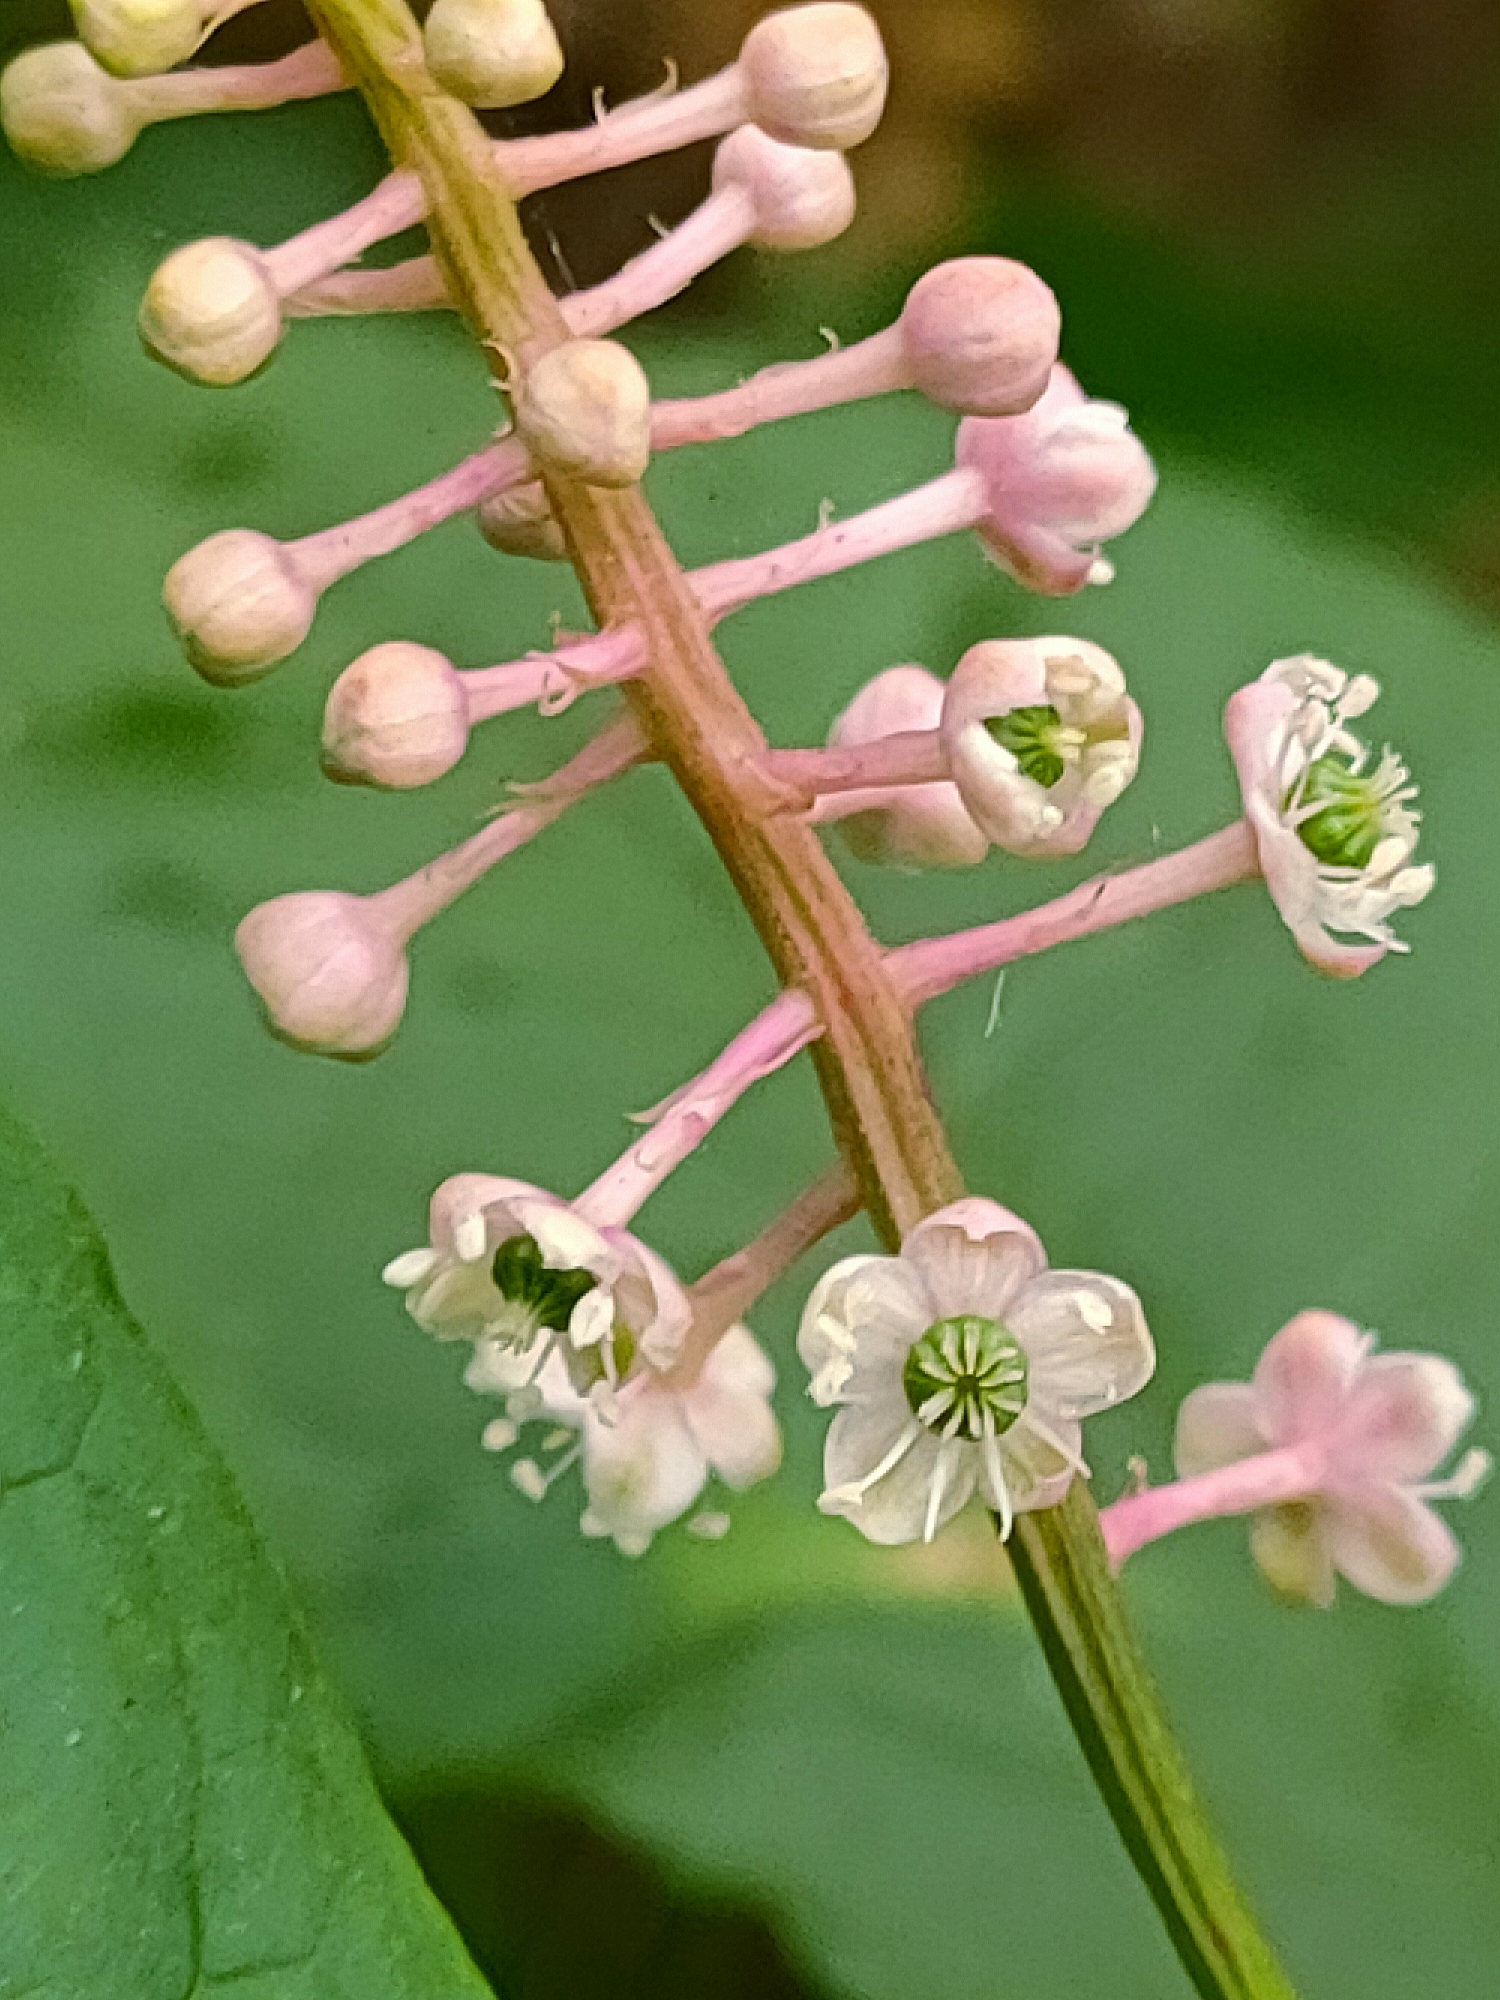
[[1405, 1414], [973, 1257], [1391, 1545], [1216, 1425], [1303, 1378]]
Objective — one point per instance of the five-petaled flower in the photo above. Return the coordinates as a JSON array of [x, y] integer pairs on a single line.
[[1335, 839], [1369, 1430], [963, 1362]]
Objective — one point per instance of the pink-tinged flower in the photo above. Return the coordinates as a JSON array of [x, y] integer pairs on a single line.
[[1352, 1439], [962, 1363], [1041, 737], [649, 1450], [519, 1269], [1335, 838], [905, 826], [1064, 476]]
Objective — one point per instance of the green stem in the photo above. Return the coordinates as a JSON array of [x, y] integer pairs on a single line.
[[867, 1062]]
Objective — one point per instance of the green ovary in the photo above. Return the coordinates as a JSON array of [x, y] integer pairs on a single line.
[[1347, 826], [966, 1378], [1035, 737], [522, 1279]]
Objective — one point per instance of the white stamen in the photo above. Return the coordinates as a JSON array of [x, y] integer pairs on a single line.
[[1465, 1480], [1049, 1437], [938, 1487], [499, 1435], [1094, 1311], [852, 1491], [410, 1268], [470, 1238], [528, 1477], [709, 1527]]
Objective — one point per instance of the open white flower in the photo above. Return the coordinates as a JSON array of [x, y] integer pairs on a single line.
[[648, 1452], [1041, 737], [1372, 1428], [1335, 838], [517, 1268], [963, 1362]]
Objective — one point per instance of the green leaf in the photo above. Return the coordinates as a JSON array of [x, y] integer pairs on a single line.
[[182, 1804]]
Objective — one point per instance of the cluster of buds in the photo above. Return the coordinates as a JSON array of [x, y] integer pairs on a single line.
[[962, 1364]]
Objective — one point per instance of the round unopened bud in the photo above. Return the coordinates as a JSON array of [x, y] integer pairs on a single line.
[[396, 717], [63, 114], [585, 409], [903, 826], [331, 977], [802, 198], [141, 37], [816, 75], [492, 53], [239, 605], [981, 335], [212, 312], [520, 522], [1041, 736]]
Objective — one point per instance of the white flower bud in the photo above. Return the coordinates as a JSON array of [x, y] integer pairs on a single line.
[[1040, 736], [492, 53], [239, 605], [330, 976], [816, 75], [63, 114], [981, 335], [141, 37], [212, 312], [585, 409], [802, 198], [397, 717], [520, 522], [902, 826]]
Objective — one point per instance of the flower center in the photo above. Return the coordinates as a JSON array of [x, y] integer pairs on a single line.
[[538, 1297], [1345, 813], [966, 1378], [1038, 740]]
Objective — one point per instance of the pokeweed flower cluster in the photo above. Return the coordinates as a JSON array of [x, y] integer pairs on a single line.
[[957, 1362]]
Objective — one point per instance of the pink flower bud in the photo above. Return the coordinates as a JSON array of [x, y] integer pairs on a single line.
[[905, 826], [1064, 477], [331, 976], [816, 75], [238, 605], [1041, 737], [212, 311], [801, 198], [980, 335], [397, 717], [585, 409], [492, 53], [520, 522], [63, 114]]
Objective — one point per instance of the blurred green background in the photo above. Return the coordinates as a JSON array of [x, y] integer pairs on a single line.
[[789, 1764]]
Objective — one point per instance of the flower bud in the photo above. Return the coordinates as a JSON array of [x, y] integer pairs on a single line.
[[397, 717], [981, 335], [802, 198], [492, 53], [520, 522], [904, 826], [816, 75], [141, 37], [330, 976], [63, 114], [1040, 737], [585, 409], [212, 312], [239, 605]]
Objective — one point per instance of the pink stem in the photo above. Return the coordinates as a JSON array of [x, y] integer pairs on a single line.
[[1266, 1480], [933, 965], [872, 367], [958, 499], [634, 132], [395, 204], [555, 679], [417, 285], [311, 71], [905, 757], [772, 1038], [409, 904], [333, 552]]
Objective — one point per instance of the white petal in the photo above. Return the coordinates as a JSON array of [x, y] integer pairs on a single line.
[[456, 1302], [649, 1298], [469, 1194], [1036, 1475], [1216, 1425], [973, 1257], [1085, 1339], [592, 1318], [729, 1415], [1305, 1373], [1403, 1416], [1290, 1547], [646, 1468], [866, 1309], [470, 1238], [894, 1509], [410, 1268], [1390, 1545], [566, 1241]]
